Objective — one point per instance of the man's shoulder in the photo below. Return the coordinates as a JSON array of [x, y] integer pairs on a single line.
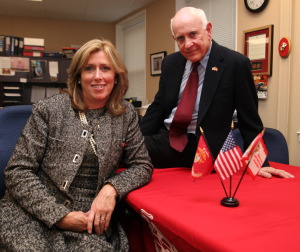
[[226, 52], [174, 56]]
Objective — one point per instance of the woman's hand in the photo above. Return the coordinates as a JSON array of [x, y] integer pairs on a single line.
[[73, 221], [267, 172], [101, 210]]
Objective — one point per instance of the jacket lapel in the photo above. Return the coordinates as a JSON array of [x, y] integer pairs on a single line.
[[213, 74], [175, 78]]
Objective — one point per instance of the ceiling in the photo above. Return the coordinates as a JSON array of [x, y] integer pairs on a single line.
[[82, 10]]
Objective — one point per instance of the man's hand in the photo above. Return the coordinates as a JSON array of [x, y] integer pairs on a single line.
[[268, 172]]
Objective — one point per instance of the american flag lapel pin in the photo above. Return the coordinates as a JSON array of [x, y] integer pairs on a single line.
[[215, 69]]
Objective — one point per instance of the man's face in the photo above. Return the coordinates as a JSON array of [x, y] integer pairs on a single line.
[[193, 41]]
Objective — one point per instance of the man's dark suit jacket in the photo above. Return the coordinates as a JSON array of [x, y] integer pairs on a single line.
[[228, 85]]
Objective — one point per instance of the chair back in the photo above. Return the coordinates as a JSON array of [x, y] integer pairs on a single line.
[[275, 142], [12, 121]]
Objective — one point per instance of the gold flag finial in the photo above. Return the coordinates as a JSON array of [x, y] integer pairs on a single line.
[[201, 130]]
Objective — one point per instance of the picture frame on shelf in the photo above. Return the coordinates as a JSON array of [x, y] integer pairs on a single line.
[[258, 47], [156, 61]]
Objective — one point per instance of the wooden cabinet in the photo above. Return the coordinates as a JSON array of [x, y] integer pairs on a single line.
[[44, 77]]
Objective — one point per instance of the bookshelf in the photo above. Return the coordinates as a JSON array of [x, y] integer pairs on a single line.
[[31, 78]]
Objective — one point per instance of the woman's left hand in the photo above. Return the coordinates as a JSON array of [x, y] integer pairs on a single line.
[[101, 210], [268, 172]]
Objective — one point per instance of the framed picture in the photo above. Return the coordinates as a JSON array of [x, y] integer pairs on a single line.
[[156, 61], [258, 47], [38, 68]]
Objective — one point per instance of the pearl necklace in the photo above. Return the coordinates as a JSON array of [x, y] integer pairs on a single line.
[[83, 119]]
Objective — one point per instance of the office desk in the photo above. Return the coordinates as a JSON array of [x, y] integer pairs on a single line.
[[185, 214]]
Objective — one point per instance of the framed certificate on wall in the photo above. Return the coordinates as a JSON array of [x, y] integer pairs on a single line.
[[258, 47]]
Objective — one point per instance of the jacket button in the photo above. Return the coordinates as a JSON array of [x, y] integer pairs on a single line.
[[64, 185], [84, 133], [76, 158], [68, 203]]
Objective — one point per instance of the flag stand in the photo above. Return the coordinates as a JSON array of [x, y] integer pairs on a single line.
[[256, 152], [231, 201]]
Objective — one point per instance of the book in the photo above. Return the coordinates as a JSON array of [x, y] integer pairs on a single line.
[[68, 52], [32, 54], [53, 54], [33, 48], [34, 41]]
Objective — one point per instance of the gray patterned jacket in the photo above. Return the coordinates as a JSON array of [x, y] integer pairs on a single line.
[[50, 150]]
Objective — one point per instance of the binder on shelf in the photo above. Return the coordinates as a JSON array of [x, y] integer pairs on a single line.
[[14, 45], [11, 45], [2, 44], [5, 45], [21, 46]]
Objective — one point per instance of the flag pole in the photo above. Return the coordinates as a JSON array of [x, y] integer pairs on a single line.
[[230, 182], [263, 131], [202, 132], [230, 201], [224, 188], [238, 185]]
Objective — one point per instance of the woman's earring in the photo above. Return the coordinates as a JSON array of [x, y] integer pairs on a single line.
[[116, 81], [79, 82]]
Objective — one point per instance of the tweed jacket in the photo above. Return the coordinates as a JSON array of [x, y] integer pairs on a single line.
[[50, 150], [228, 85]]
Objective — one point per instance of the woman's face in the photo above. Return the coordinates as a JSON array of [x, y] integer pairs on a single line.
[[97, 80]]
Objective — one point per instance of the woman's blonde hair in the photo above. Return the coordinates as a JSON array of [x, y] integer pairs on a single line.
[[79, 61]]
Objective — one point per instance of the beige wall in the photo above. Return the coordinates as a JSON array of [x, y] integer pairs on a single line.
[[158, 37], [280, 109], [294, 111], [57, 33]]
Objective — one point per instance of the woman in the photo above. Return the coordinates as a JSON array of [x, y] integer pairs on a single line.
[[61, 180]]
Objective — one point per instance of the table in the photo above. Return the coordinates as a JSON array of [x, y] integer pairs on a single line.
[[185, 214]]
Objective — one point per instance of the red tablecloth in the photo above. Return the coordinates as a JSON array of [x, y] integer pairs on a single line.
[[186, 214]]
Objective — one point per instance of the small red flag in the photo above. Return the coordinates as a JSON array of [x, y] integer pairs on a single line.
[[203, 162], [255, 155], [228, 161]]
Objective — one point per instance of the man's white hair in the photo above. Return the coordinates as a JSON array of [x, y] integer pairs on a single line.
[[194, 11]]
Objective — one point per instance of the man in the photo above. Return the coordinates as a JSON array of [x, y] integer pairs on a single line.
[[225, 83]]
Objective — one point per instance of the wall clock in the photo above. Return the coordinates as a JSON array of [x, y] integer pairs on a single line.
[[255, 5]]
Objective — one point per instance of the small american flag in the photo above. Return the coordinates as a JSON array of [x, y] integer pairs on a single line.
[[228, 161]]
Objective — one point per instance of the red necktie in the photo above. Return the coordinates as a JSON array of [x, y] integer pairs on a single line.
[[183, 115]]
